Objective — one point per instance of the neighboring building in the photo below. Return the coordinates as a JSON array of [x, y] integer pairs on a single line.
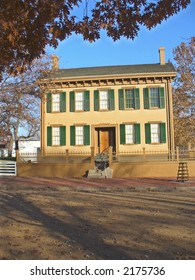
[[127, 107]]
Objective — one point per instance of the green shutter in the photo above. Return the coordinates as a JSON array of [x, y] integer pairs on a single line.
[[147, 133], [96, 100], [162, 132], [86, 101], [49, 102], [137, 134], [137, 98], [62, 136], [111, 99], [49, 136], [86, 129], [146, 98], [122, 134], [162, 97], [72, 101], [121, 100], [72, 135], [63, 102]]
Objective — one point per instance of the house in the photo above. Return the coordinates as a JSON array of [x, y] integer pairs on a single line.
[[126, 107]]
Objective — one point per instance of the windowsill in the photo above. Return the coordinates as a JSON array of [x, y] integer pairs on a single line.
[[130, 144]]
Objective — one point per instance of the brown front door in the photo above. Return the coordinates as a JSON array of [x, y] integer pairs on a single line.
[[104, 140]]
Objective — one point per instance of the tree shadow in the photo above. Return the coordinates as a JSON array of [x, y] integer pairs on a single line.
[[87, 236]]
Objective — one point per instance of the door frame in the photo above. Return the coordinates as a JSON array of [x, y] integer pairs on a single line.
[[95, 137]]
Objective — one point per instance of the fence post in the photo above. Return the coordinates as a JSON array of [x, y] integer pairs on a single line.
[[110, 155], [38, 154], [144, 154], [17, 156], [177, 153], [92, 155], [67, 155]]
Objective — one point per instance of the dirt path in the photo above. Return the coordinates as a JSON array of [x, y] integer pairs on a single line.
[[78, 218]]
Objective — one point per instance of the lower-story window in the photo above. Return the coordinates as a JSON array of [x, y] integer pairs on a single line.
[[155, 133], [56, 136], [79, 135], [130, 133]]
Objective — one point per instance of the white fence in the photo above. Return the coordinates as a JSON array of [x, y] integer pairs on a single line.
[[7, 168]]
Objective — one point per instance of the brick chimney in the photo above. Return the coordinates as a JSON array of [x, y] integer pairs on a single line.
[[55, 62], [162, 55]]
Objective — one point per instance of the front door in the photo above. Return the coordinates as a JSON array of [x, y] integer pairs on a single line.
[[105, 137], [104, 140]]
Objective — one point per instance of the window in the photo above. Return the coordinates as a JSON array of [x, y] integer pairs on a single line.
[[103, 100], [129, 98], [56, 102], [79, 135], [55, 136], [130, 133], [79, 102], [155, 133], [154, 98]]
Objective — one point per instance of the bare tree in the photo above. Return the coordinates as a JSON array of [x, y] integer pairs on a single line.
[[20, 103]]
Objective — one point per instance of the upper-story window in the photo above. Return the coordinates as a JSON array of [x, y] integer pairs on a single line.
[[79, 101], [56, 102], [154, 98], [104, 100], [129, 98]]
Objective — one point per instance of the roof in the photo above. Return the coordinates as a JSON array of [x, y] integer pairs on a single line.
[[111, 71]]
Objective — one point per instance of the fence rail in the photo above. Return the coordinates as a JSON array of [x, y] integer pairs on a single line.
[[142, 155], [7, 168]]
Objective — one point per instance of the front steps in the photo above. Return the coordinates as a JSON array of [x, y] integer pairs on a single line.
[[98, 173]]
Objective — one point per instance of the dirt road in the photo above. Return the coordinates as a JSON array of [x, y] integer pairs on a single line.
[[80, 218]]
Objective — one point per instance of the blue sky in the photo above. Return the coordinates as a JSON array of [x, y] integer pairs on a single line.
[[75, 52]]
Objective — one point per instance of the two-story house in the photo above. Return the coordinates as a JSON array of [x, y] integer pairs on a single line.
[[127, 107]]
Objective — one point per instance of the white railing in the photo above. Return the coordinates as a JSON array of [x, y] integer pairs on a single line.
[[7, 168]]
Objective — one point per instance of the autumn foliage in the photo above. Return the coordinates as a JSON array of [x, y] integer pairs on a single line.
[[27, 26], [184, 93]]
